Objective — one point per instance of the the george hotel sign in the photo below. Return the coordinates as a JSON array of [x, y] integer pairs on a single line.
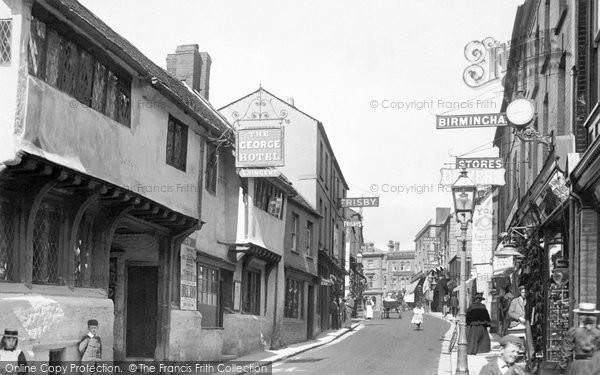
[[259, 147]]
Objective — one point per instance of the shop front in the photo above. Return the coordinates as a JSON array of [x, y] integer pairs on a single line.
[[538, 231]]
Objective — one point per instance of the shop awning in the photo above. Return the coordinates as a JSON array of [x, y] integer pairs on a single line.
[[411, 288], [468, 283]]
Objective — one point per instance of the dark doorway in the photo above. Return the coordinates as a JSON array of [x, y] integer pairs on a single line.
[[310, 313], [142, 284]]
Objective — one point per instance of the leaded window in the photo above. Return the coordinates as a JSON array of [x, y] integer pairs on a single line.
[[7, 241], [177, 136], [251, 294], [208, 285], [70, 67], [82, 255], [5, 41], [294, 299], [46, 236], [268, 198]]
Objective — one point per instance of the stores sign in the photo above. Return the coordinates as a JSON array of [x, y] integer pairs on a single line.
[[478, 175], [259, 148]]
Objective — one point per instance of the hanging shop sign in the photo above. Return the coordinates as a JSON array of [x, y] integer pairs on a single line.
[[483, 163], [478, 175], [188, 285], [432, 240], [352, 223], [259, 172], [481, 246], [359, 202], [259, 147], [484, 120], [553, 194]]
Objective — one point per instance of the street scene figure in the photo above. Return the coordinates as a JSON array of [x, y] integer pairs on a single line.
[[369, 309], [505, 363], [503, 306], [417, 318], [478, 321], [454, 305], [90, 346], [580, 343], [516, 311], [446, 305], [10, 353]]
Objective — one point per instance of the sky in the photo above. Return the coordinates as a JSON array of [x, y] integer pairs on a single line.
[[375, 73]]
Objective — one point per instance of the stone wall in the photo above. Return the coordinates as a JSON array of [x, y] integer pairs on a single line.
[[48, 322]]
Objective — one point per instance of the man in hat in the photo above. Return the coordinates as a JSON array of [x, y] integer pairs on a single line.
[[90, 346], [581, 342], [505, 363], [478, 321], [9, 353], [516, 311]]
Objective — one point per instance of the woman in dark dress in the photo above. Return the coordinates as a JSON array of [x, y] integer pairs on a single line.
[[478, 321]]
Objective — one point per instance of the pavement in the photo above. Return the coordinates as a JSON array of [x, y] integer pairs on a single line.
[[448, 361], [268, 357]]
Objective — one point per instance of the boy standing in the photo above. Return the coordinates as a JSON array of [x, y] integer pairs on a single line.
[[90, 346]]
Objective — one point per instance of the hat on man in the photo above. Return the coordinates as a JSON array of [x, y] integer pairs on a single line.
[[9, 332], [479, 297], [586, 308], [510, 339], [93, 322], [521, 287]]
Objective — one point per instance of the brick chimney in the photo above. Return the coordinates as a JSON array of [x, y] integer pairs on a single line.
[[190, 65]]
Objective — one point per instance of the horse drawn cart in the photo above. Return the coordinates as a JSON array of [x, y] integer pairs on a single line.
[[389, 306]]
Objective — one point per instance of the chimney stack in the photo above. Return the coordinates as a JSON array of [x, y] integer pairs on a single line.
[[391, 246], [397, 246], [192, 66]]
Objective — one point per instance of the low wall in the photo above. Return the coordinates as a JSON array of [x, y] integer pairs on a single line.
[[189, 342], [57, 323], [244, 334]]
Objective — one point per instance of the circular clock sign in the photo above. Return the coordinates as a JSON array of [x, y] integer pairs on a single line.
[[520, 111]]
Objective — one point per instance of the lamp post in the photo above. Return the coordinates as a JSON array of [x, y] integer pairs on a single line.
[[463, 194]]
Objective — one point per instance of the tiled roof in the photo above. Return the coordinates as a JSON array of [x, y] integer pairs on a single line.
[[196, 106]]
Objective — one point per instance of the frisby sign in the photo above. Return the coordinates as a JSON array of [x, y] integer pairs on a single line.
[[359, 202], [485, 163], [478, 175], [470, 121]]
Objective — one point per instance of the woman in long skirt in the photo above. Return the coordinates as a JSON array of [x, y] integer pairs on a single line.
[[418, 316], [369, 309]]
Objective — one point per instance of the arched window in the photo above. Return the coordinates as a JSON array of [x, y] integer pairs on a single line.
[[401, 266]]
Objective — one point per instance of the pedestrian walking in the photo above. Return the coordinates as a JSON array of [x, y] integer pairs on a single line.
[[478, 321], [454, 305], [417, 318], [90, 346], [445, 305], [10, 354], [505, 363], [580, 343], [516, 311], [503, 306], [343, 313], [369, 309], [334, 312]]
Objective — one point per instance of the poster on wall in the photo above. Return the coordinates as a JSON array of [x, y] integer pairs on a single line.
[[189, 286], [483, 217]]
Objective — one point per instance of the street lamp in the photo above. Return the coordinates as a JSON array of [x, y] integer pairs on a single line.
[[463, 194]]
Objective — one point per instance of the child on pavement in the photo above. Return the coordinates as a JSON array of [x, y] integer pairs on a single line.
[[418, 316]]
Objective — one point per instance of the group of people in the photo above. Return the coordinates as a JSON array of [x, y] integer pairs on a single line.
[[89, 347]]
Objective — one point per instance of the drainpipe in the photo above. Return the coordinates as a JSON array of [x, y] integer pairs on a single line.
[[275, 333]]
